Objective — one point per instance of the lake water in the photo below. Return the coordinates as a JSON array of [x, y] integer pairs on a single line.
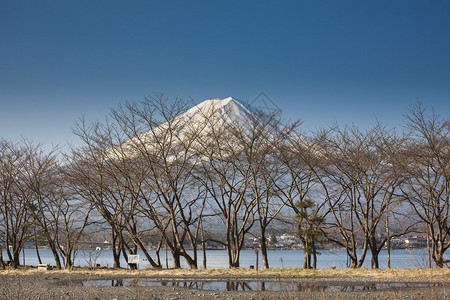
[[400, 258]]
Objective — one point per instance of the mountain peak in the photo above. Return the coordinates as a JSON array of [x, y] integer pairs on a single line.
[[218, 103], [228, 109], [206, 116]]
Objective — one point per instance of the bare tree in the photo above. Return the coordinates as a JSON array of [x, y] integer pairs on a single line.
[[152, 152], [14, 199], [427, 170], [268, 142], [42, 180], [300, 159], [71, 214], [89, 178], [361, 182], [226, 177], [127, 187]]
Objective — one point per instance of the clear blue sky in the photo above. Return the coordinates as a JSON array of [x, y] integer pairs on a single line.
[[321, 61]]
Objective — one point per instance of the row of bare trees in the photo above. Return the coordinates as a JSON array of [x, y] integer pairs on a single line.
[[155, 168], [37, 203]]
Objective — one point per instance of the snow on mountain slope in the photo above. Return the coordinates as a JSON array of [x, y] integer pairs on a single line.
[[220, 112], [214, 112], [214, 115]]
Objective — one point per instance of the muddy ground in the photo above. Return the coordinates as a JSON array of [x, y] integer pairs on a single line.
[[49, 285]]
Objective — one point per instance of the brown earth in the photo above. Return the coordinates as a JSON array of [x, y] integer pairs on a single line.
[[34, 284]]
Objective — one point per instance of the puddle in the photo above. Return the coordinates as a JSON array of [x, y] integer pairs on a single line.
[[241, 285]]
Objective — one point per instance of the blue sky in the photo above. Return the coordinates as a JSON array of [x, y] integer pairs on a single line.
[[320, 61]]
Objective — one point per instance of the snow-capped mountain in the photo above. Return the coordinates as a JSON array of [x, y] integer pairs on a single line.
[[213, 115], [224, 111]]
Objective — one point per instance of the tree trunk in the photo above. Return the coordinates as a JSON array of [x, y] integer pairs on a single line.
[[375, 263], [232, 250], [203, 244], [307, 261], [116, 251], [176, 259], [147, 255], [374, 251], [314, 252], [204, 253], [55, 256], [116, 256], [352, 256], [36, 248], [438, 259], [68, 259], [124, 252], [16, 258], [192, 263], [158, 257], [229, 251], [307, 253], [388, 241], [167, 257], [428, 247], [2, 263], [236, 260], [363, 255], [236, 255], [8, 251], [52, 245], [264, 249]]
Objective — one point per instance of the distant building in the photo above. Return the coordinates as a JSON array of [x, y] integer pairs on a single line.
[[416, 242]]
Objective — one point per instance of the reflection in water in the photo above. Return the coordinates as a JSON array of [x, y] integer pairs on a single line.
[[242, 285], [118, 282]]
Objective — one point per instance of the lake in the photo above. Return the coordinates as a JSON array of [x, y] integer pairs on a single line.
[[400, 258]]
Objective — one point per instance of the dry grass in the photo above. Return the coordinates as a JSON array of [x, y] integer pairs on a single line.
[[278, 272]]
